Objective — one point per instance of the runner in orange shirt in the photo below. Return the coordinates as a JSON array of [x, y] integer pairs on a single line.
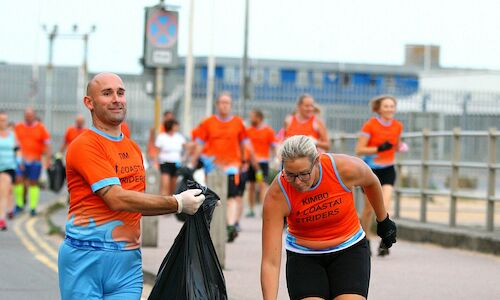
[[34, 142], [73, 132], [100, 256], [263, 142], [305, 122], [326, 248], [378, 142], [222, 137]]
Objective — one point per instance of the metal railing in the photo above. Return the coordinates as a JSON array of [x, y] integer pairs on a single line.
[[427, 143]]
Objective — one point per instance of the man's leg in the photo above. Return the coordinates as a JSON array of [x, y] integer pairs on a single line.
[[34, 170], [251, 199]]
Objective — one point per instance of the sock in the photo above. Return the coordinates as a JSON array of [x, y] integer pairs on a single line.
[[34, 194], [19, 194]]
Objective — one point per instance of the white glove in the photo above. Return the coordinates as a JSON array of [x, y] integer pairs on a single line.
[[189, 201]]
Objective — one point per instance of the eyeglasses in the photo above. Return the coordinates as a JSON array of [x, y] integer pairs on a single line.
[[290, 177]]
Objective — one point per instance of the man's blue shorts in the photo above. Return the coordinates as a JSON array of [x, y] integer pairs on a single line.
[[99, 274], [32, 170]]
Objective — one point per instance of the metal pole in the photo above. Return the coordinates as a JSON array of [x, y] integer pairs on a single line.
[[189, 74], [158, 95], [490, 204], [49, 80], [455, 173], [211, 67], [246, 79], [425, 174]]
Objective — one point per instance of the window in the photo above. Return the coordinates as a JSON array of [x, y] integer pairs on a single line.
[[230, 75], [318, 79], [346, 79], [274, 77], [302, 78], [258, 76]]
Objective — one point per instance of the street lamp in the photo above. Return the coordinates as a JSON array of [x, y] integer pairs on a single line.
[[52, 34]]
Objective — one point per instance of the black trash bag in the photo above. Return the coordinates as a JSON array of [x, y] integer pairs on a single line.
[[56, 174], [191, 268], [185, 175]]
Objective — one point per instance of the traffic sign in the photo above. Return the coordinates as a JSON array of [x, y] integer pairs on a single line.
[[160, 40]]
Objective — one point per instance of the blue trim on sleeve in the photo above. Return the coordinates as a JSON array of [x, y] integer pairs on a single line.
[[108, 136], [245, 141], [200, 141], [337, 173], [105, 182], [284, 193]]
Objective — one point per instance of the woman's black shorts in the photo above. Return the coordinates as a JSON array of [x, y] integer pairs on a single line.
[[329, 275], [169, 168], [11, 173], [386, 175]]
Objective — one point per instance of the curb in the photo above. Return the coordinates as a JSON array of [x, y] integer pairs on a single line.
[[148, 277], [450, 237]]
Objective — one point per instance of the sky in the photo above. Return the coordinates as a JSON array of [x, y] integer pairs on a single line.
[[349, 31]]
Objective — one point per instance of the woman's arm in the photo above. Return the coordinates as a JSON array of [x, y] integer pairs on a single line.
[[362, 148], [323, 140], [355, 172], [274, 210]]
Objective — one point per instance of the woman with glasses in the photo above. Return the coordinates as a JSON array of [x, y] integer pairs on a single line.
[[327, 254]]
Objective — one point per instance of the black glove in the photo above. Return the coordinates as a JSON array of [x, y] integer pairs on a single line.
[[387, 231], [384, 146]]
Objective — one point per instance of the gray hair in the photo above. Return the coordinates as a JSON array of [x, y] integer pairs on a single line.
[[298, 146]]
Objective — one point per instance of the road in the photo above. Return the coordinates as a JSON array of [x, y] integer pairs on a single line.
[[28, 266]]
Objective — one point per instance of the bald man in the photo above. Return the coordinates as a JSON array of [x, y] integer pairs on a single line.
[[72, 132], [100, 256], [34, 143]]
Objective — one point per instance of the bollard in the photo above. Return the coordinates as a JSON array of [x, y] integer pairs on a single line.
[[217, 181], [149, 226]]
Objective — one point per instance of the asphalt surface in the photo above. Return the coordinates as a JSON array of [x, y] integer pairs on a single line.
[[28, 265], [412, 270]]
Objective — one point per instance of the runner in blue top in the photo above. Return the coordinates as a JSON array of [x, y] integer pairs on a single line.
[[8, 145]]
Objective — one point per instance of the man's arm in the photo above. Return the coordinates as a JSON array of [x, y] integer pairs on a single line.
[[48, 154], [120, 199]]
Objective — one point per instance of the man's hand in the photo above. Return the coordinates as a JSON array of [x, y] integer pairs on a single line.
[[386, 229], [385, 146], [189, 201]]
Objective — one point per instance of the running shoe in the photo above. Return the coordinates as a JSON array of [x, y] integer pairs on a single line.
[[232, 233], [3, 225], [250, 214], [382, 249]]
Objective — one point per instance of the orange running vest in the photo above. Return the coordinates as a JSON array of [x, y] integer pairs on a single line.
[[324, 218]]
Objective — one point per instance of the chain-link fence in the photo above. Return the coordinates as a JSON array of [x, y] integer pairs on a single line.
[[343, 108]]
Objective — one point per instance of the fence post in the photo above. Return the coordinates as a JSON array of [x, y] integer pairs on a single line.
[[454, 176], [424, 180], [490, 206], [397, 194], [150, 224], [217, 181]]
